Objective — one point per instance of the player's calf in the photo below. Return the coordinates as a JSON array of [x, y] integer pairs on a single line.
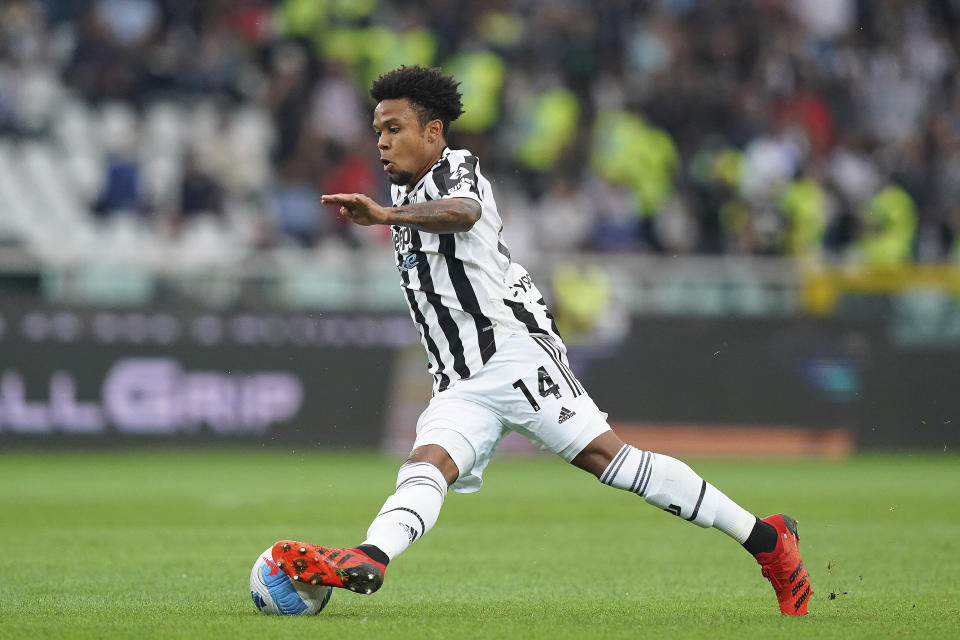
[[673, 486]]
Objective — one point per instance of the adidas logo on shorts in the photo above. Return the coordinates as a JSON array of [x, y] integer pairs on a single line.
[[566, 414]]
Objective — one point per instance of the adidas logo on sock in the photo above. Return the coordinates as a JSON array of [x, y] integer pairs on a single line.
[[566, 414], [411, 532]]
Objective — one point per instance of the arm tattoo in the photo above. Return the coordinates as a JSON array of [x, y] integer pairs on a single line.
[[448, 215]]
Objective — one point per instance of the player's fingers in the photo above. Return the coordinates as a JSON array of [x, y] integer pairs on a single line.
[[338, 198]]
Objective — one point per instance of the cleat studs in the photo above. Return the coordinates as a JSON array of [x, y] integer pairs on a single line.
[[314, 581], [297, 578], [369, 576], [286, 546], [369, 590], [303, 550], [281, 564]]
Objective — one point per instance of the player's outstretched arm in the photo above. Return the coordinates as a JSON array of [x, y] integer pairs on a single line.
[[447, 215]]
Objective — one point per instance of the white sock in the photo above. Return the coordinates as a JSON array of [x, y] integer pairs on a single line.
[[674, 487], [411, 511]]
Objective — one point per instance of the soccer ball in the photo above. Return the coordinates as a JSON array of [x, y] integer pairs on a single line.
[[274, 593]]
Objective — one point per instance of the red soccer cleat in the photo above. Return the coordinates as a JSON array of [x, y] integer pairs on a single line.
[[784, 568], [346, 568]]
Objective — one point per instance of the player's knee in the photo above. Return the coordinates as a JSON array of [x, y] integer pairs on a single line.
[[597, 456], [437, 456]]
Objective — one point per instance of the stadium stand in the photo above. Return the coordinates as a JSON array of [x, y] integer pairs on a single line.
[[179, 134]]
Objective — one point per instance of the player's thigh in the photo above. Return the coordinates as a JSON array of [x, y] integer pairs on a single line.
[[469, 432], [548, 404]]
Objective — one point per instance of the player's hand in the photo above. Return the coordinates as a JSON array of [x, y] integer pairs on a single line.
[[358, 208]]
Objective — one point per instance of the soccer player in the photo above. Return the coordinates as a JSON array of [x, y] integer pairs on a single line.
[[497, 360]]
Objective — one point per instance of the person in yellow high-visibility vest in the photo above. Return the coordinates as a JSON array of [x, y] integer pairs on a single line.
[[481, 75], [549, 127], [889, 223], [628, 151], [804, 203], [367, 51]]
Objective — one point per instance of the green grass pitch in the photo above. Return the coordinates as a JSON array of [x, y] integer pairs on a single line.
[[159, 544]]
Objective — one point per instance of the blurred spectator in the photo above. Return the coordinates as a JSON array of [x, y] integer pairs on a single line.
[[21, 31], [62, 11], [629, 152], [564, 217], [296, 206], [99, 69], [129, 23], [288, 97], [9, 87], [121, 192], [807, 209], [216, 66], [351, 172], [548, 127], [481, 75], [200, 192], [123, 187], [889, 226], [807, 110], [338, 112], [616, 224]]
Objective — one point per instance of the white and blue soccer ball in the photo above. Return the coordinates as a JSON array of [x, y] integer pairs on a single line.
[[274, 593]]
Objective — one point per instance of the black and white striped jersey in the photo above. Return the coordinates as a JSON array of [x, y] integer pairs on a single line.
[[464, 291]]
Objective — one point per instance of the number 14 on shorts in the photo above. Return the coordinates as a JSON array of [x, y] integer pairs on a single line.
[[545, 387]]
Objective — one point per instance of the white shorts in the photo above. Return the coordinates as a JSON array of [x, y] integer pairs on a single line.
[[527, 387]]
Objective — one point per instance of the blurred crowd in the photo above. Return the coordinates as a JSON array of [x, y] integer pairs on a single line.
[[822, 129]]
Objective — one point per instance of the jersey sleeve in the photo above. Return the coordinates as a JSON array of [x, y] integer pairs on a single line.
[[455, 177]]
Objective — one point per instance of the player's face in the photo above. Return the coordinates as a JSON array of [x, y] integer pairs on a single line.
[[407, 148]]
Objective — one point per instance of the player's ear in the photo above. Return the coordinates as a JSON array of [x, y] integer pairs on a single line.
[[434, 130]]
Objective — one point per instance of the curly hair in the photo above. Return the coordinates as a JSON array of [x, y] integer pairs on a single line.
[[434, 96]]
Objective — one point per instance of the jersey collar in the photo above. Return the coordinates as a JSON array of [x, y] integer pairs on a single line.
[[405, 193]]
